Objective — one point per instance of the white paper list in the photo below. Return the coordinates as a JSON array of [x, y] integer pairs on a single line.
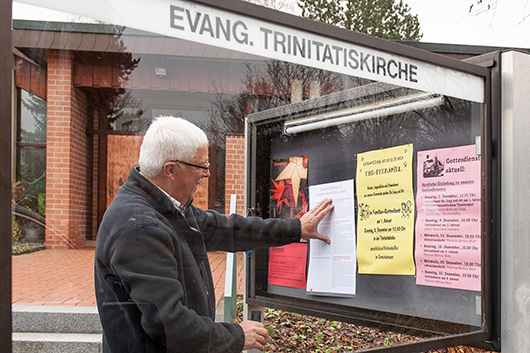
[[332, 268]]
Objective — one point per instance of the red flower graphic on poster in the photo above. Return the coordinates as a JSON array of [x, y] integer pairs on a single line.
[[289, 187]]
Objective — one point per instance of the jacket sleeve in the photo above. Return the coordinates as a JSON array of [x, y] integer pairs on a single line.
[[237, 233], [144, 257]]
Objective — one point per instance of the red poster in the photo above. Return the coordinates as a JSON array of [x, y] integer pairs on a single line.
[[287, 265]]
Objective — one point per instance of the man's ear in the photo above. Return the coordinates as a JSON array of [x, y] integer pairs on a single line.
[[169, 170]]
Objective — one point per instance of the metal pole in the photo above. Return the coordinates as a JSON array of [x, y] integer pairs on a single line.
[[230, 300]]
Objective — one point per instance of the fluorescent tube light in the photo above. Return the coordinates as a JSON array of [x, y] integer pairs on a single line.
[[402, 105]]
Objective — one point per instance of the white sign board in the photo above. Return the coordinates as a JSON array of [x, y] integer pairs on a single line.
[[211, 26]]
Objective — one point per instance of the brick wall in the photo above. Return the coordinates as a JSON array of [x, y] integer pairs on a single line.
[[95, 177], [68, 186], [235, 172]]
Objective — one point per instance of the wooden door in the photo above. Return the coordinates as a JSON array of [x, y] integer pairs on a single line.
[[122, 154]]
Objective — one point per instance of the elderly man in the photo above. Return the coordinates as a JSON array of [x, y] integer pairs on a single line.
[[152, 276]]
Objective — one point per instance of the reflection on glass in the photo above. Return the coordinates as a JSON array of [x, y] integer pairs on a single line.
[[32, 118], [29, 200], [122, 79]]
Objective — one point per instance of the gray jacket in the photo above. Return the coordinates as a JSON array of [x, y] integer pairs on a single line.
[[153, 282]]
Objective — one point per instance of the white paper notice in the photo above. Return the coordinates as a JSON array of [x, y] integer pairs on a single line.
[[332, 268]]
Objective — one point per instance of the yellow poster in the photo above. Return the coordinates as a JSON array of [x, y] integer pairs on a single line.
[[385, 218]]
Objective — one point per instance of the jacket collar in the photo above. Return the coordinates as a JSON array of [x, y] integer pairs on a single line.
[[158, 198]]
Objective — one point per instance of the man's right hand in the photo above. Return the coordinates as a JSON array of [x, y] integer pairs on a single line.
[[255, 335]]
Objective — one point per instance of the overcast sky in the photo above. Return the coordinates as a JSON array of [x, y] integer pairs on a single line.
[[449, 21], [442, 21]]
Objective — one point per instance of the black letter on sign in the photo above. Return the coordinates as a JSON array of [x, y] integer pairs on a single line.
[[173, 17]]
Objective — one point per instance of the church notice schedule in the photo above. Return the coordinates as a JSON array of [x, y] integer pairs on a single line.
[[448, 225]]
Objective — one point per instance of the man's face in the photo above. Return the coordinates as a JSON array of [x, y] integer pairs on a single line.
[[188, 177]]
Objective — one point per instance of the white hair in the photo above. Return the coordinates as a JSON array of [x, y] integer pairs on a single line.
[[169, 138]]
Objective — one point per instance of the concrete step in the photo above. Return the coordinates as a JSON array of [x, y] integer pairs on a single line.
[[55, 319], [37, 342], [56, 329]]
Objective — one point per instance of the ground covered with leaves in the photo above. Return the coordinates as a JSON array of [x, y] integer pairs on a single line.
[[290, 332], [20, 248]]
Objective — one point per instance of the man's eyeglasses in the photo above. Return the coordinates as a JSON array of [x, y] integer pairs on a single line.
[[204, 167]]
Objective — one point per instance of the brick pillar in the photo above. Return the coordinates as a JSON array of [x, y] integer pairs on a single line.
[[67, 161], [235, 172]]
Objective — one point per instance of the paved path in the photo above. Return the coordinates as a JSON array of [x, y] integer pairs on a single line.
[[65, 277]]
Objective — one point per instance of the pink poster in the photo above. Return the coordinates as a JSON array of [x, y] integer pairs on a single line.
[[448, 225]]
